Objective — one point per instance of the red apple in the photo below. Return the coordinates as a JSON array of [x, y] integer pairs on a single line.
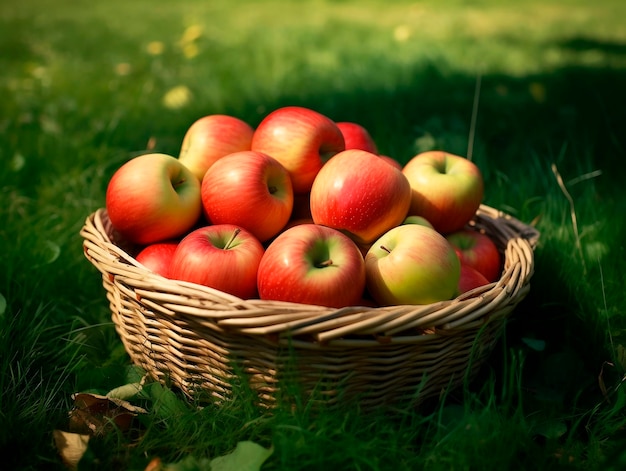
[[447, 189], [477, 250], [301, 139], [412, 264], [224, 256], [312, 264], [212, 137], [470, 279], [357, 137], [358, 193], [153, 198], [249, 189], [391, 161], [157, 257]]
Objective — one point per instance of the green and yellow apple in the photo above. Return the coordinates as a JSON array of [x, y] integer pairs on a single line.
[[411, 264], [417, 220]]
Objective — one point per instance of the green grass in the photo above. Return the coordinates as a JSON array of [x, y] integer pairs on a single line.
[[82, 90]]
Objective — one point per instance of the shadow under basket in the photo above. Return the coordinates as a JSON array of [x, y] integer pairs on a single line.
[[202, 340]]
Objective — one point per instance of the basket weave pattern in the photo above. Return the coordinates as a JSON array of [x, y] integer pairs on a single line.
[[201, 339]]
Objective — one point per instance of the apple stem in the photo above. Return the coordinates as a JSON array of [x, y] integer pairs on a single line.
[[178, 183], [272, 189], [232, 238], [325, 263], [441, 166], [385, 249]]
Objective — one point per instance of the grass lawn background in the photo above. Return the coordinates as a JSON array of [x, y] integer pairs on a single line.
[[85, 86]]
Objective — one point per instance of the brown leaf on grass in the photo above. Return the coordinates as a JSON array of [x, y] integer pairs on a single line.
[[71, 446], [94, 414]]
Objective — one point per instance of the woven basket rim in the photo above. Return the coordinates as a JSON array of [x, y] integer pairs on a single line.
[[222, 311]]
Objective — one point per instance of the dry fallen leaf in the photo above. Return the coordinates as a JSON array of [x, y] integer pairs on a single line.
[[94, 414], [71, 446]]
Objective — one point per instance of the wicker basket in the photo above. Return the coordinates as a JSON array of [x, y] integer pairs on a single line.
[[201, 340]]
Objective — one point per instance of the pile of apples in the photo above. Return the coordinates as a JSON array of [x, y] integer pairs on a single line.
[[304, 209]]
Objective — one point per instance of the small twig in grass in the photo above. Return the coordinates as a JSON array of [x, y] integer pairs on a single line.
[[585, 176], [472, 131], [572, 207]]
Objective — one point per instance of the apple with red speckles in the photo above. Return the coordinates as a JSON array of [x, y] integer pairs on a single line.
[[361, 195], [301, 139], [223, 256], [312, 264], [249, 189]]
